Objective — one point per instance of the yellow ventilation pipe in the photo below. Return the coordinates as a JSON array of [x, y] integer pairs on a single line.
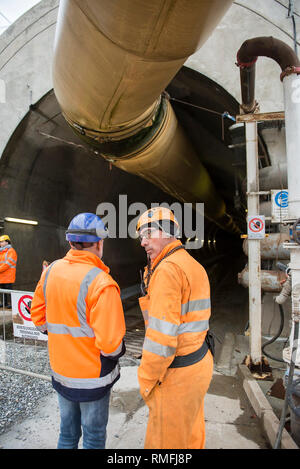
[[112, 62]]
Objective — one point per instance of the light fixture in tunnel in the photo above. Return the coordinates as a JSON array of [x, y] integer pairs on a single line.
[[194, 243], [20, 220]]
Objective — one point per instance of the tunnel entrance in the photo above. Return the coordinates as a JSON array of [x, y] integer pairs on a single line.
[[48, 174]]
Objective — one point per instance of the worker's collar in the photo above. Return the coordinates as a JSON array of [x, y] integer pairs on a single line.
[[165, 251], [7, 246], [86, 257]]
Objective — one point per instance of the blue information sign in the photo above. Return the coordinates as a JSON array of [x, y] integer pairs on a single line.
[[281, 199]]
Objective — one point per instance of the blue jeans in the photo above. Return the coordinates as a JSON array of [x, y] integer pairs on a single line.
[[91, 416]]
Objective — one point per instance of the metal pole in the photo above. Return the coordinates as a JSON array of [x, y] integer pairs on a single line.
[[291, 87], [27, 373], [254, 244]]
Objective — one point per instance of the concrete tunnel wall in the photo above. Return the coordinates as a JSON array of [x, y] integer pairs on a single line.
[[26, 55], [25, 68]]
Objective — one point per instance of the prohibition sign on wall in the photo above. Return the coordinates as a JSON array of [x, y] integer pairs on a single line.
[[24, 305], [256, 227]]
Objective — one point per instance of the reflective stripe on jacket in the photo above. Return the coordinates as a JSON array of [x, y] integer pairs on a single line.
[[178, 309], [8, 264], [79, 304]]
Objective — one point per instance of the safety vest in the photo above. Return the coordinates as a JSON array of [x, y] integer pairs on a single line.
[[79, 304], [176, 309], [8, 264]]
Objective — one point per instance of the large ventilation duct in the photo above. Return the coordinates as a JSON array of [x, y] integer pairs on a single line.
[[112, 62]]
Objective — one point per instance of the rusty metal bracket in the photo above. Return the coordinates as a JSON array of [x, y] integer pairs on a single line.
[[260, 117], [259, 193]]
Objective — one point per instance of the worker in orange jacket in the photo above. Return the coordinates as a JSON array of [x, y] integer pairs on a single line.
[[177, 362], [78, 303], [8, 265]]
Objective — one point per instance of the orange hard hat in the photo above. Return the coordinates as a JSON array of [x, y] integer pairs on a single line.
[[160, 217]]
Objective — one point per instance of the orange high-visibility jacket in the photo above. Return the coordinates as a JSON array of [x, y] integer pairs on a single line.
[[8, 264], [79, 304], [177, 311]]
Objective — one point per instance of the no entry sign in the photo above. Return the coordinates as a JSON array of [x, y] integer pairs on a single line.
[[22, 323], [256, 227], [24, 305]]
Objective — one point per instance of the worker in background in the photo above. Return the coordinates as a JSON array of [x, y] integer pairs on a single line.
[[8, 265], [78, 303], [177, 364]]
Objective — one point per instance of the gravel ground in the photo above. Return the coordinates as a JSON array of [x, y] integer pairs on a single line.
[[19, 393]]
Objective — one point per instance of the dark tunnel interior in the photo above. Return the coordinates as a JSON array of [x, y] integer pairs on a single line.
[[47, 174]]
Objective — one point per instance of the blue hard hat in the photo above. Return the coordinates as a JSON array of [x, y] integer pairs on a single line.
[[86, 228]]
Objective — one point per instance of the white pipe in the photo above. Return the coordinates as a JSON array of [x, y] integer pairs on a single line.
[[254, 244], [291, 87]]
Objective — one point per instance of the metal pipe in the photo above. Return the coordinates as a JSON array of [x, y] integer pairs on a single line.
[[273, 177], [254, 244], [290, 66], [271, 247], [24, 372], [291, 88], [270, 282], [111, 65], [247, 57], [113, 60]]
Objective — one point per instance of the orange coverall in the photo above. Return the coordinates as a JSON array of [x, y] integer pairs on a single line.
[[79, 304], [177, 311], [8, 263]]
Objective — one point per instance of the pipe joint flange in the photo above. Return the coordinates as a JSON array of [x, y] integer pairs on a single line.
[[243, 65], [289, 71], [252, 109]]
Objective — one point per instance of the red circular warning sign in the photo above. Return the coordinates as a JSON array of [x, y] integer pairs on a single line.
[[24, 305], [256, 225]]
